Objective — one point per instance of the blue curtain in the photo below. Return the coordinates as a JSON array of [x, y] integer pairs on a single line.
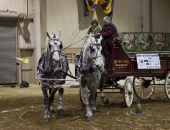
[[90, 6]]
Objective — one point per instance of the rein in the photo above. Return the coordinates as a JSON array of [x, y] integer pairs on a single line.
[[74, 43], [69, 75], [96, 57]]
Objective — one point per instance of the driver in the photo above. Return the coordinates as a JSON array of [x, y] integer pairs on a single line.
[[108, 32]]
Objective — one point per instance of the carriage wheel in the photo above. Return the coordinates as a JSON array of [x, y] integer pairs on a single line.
[[144, 87], [167, 85], [128, 92]]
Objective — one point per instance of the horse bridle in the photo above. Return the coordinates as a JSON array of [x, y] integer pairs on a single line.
[[53, 39], [97, 49], [55, 51], [92, 68], [55, 43]]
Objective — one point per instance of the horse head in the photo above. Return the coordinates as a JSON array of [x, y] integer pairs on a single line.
[[54, 46], [92, 53]]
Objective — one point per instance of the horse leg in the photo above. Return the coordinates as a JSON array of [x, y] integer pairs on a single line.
[[51, 98], [46, 103], [94, 100], [105, 100], [60, 108], [89, 114]]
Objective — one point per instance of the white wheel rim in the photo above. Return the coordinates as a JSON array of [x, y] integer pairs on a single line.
[[128, 92], [142, 92], [167, 85]]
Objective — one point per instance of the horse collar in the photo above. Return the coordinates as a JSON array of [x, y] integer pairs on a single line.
[[90, 70]]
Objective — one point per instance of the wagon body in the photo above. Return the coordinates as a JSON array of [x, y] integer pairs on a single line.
[[120, 65]]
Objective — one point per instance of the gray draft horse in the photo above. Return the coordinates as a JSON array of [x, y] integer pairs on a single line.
[[52, 65], [89, 69]]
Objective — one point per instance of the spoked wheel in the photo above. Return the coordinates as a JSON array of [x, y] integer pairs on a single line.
[[167, 85], [128, 92], [144, 87]]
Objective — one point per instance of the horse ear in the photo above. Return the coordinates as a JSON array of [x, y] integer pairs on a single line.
[[101, 37], [48, 35], [59, 34]]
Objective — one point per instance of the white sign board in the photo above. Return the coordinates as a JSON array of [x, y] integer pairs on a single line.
[[148, 61]]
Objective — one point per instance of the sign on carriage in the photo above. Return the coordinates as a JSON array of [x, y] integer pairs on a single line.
[[148, 61]]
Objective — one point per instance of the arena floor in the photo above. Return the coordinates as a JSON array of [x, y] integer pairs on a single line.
[[23, 108]]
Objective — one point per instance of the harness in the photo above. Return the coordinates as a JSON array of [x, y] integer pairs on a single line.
[[55, 68]]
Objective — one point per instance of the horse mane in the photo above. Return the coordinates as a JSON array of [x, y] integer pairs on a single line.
[[90, 40]]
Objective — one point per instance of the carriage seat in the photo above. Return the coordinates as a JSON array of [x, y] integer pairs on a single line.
[[116, 41]]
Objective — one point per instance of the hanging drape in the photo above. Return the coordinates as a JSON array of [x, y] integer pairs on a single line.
[[90, 6]]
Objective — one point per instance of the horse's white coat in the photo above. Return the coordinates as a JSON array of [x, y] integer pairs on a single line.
[[96, 54], [54, 43], [91, 59]]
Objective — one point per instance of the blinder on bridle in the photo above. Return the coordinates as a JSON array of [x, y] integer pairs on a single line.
[[92, 47], [55, 41]]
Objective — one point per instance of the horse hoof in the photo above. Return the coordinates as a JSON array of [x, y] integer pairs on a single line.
[[52, 111], [60, 111], [47, 119], [89, 118], [105, 100]]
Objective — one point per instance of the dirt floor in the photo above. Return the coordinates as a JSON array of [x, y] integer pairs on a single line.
[[23, 108]]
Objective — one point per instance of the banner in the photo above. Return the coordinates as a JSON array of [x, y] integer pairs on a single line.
[[90, 6]]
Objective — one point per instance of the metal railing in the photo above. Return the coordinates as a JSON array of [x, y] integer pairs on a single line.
[[71, 57]]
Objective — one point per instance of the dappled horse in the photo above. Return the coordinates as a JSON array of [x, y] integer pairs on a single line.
[[52, 69], [89, 69]]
